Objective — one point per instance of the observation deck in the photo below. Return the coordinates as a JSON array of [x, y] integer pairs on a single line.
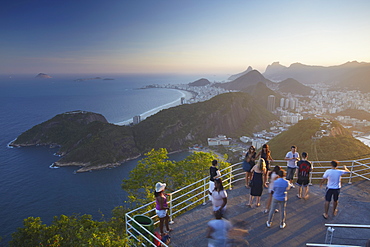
[[305, 223]]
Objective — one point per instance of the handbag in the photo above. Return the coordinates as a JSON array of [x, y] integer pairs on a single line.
[[246, 166]]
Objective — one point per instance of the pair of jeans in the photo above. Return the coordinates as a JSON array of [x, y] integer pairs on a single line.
[[282, 206]]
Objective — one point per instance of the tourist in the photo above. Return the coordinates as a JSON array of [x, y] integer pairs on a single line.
[[280, 198], [273, 175], [292, 157], [265, 154], [304, 169], [161, 207], [214, 173], [248, 163], [256, 182], [217, 231], [219, 197], [333, 177]]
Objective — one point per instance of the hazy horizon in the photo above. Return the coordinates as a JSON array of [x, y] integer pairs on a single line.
[[192, 37]]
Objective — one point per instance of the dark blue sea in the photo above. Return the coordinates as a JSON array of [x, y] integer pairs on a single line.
[[28, 187]]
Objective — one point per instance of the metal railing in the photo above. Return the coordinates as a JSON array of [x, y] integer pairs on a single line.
[[196, 194], [330, 234]]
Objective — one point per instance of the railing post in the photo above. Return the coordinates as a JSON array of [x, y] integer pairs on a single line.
[[171, 221], [231, 177], [350, 175], [204, 191], [126, 225], [310, 182]]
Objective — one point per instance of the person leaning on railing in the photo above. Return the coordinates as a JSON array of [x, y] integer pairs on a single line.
[[161, 207]]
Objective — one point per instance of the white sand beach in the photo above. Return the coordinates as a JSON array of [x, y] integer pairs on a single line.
[[186, 94]]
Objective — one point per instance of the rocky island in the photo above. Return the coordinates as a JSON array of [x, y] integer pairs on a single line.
[[43, 76], [87, 140]]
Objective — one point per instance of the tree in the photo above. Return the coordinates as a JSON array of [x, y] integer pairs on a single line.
[[156, 167]]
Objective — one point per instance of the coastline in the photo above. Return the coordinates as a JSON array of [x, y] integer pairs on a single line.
[[364, 139], [186, 94]]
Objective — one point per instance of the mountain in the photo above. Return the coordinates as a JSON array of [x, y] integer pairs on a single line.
[[89, 141], [260, 93], [42, 75], [244, 81], [357, 79], [339, 144], [200, 82], [233, 77], [292, 86], [312, 74]]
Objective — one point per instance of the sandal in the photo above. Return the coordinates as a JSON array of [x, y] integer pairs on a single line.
[[325, 216]]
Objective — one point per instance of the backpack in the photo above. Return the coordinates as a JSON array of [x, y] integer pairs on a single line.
[[165, 239], [304, 168]]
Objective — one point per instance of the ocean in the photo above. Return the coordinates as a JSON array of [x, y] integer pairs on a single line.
[[28, 187]]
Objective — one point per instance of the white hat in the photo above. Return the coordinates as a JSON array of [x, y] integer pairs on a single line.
[[159, 187]]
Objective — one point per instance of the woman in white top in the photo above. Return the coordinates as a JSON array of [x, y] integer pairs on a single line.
[[219, 197]]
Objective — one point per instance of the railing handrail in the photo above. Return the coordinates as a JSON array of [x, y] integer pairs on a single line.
[[229, 179]]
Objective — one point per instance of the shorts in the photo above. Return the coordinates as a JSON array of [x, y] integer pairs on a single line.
[[161, 213], [303, 181], [290, 173], [332, 193]]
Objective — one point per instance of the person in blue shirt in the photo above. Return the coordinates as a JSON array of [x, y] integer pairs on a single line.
[[280, 198]]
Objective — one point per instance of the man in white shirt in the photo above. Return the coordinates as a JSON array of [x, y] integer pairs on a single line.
[[292, 157], [333, 176]]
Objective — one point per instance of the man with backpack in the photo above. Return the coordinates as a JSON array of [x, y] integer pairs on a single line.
[[304, 169]]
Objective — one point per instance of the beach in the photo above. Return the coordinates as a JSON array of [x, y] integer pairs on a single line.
[[184, 94]]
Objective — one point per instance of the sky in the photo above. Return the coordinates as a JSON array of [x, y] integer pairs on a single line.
[[180, 37]]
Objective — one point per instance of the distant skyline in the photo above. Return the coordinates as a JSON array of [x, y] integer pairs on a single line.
[[184, 37]]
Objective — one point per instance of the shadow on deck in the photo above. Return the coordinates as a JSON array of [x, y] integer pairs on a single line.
[[305, 223]]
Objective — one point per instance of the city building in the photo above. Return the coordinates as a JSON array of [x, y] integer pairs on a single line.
[[219, 140], [136, 119], [271, 103]]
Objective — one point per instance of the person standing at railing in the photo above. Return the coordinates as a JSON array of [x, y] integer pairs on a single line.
[[219, 197], [248, 163], [214, 173], [161, 207], [304, 169], [257, 182], [265, 154], [292, 158], [280, 197], [333, 177], [273, 175]]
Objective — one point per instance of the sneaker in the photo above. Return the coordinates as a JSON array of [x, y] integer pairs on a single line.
[[292, 185], [276, 210], [282, 226], [268, 224]]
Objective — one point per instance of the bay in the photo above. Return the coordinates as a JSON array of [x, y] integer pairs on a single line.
[[28, 187]]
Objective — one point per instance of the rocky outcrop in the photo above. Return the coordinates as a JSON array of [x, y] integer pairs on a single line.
[[43, 76], [88, 141]]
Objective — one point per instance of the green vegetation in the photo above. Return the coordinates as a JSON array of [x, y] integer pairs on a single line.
[[176, 174], [67, 231], [84, 231], [87, 138], [339, 145]]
